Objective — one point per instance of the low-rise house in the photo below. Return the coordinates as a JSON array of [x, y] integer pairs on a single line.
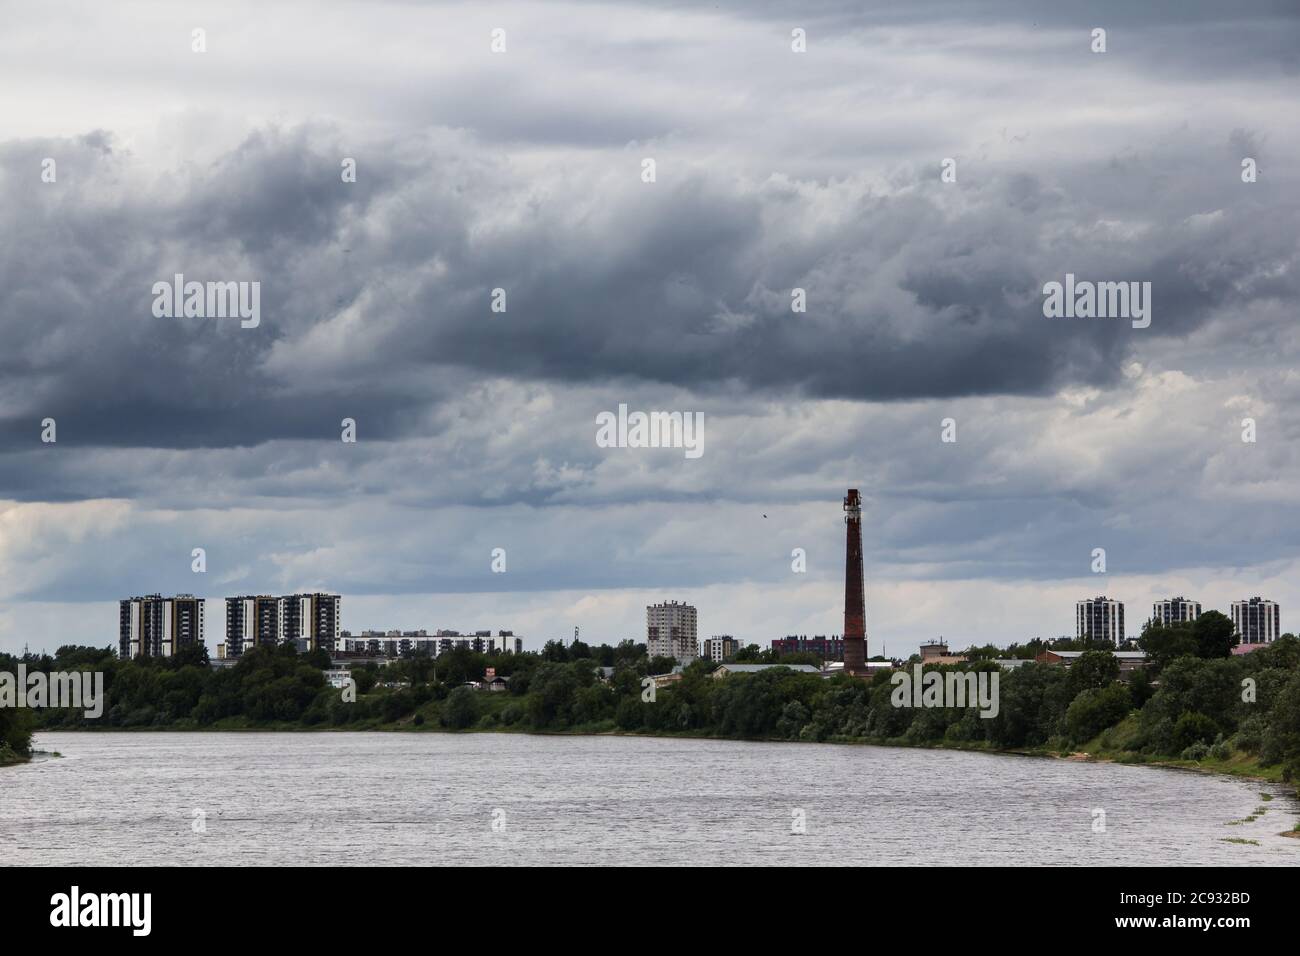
[[1011, 663], [496, 683], [1247, 648]]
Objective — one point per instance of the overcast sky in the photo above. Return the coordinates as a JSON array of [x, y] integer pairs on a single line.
[[522, 170]]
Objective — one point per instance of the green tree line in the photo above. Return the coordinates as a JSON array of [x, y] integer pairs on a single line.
[[1196, 701]]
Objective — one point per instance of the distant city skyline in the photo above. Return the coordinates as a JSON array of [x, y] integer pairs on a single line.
[[1255, 620]]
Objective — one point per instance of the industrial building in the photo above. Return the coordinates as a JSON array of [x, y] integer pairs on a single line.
[[827, 648], [855, 601]]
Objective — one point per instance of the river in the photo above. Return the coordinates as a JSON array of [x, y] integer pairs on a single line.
[[432, 798]]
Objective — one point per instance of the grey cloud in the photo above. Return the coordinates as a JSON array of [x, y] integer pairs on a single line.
[[910, 296], [774, 172]]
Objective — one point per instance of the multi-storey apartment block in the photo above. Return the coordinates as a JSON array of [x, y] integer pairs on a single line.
[[1256, 621], [310, 621], [1176, 610], [671, 631], [720, 647], [155, 626], [251, 621], [1100, 619]]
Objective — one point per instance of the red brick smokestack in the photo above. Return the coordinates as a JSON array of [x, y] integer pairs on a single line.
[[855, 603]]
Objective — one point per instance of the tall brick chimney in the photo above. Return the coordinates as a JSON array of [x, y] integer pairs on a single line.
[[855, 603]]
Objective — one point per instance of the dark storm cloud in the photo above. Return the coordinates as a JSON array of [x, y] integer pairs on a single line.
[[82, 345], [372, 292]]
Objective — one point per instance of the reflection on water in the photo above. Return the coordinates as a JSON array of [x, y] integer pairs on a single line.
[[428, 798]]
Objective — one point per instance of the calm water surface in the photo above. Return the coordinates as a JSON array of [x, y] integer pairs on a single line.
[[394, 798]]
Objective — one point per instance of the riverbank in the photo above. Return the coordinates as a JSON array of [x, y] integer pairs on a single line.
[[9, 758], [1244, 766]]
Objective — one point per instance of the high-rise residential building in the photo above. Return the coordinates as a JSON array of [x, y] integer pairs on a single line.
[[670, 631], [155, 626], [239, 629], [251, 621], [1100, 619], [1256, 621], [720, 647], [1176, 610], [310, 621]]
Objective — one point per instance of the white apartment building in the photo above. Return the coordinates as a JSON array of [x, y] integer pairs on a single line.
[[1256, 621], [671, 631], [1176, 610], [1100, 619]]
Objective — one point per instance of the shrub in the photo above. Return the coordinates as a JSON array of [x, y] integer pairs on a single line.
[[1221, 750], [1096, 709], [628, 714], [1197, 751], [1250, 734], [1193, 728], [461, 709]]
